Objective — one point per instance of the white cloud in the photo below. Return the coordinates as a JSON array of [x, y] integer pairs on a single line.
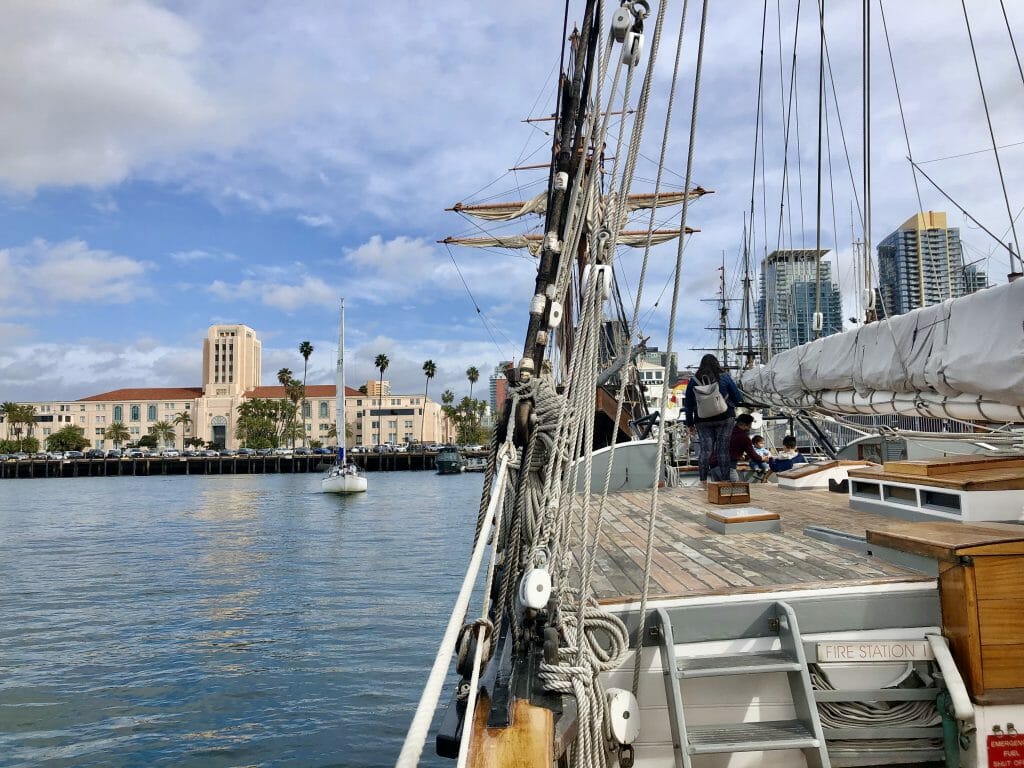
[[199, 254], [39, 371], [42, 275], [93, 90], [316, 221], [308, 291]]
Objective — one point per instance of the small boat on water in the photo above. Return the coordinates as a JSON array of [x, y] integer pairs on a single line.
[[450, 461], [343, 477], [476, 464]]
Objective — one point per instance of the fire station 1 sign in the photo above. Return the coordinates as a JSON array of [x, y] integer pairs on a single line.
[[875, 650]]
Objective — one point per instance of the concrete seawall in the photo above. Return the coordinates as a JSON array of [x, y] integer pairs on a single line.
[[209, 465]]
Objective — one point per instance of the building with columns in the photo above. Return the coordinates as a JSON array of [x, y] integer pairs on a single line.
[[231, 376]]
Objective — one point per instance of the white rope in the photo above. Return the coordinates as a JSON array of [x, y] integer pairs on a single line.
[[420, 726]]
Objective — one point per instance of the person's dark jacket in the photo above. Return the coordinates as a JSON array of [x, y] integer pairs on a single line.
[[729, 391], [740, 446]]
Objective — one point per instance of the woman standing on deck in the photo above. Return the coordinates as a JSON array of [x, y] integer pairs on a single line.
[[711, 399]]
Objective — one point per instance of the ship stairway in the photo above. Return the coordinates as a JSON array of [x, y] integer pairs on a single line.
[[804, 732]]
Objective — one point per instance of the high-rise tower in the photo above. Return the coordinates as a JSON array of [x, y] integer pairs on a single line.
[[920, 264], [785, 309]]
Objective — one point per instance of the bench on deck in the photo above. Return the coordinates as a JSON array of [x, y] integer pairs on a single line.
[[967, 488]]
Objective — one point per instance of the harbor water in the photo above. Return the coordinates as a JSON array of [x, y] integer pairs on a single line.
[[235, 620]]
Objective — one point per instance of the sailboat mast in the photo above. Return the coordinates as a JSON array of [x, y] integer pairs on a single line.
[[339, 383]]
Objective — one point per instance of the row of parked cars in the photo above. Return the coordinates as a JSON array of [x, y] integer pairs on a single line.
[[168, 453]]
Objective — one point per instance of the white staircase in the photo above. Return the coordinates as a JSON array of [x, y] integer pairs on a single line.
[[803, 733]]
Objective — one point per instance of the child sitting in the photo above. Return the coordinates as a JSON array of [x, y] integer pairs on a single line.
[[788, 456], [760, 468]]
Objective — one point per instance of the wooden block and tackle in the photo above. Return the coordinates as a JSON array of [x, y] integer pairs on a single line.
[[728, 492]]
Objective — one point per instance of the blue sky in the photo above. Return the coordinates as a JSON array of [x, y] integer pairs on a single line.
[[165, 166]]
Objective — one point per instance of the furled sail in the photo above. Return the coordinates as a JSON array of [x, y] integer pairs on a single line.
[[533, 242], [963, 358], [514, 210]]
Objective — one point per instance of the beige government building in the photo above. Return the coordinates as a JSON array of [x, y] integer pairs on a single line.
[[231, 375]]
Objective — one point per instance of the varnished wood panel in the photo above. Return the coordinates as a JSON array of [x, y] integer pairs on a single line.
[[999, 578], [945, 465], [1004, 666], [960, 624], [527, 743], [947, 541], [1001, 622]]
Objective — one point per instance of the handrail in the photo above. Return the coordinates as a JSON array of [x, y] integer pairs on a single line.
[[420, 726], [963, 709]]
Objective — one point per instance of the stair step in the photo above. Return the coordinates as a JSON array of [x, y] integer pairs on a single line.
[[749, 737], [736, 664]]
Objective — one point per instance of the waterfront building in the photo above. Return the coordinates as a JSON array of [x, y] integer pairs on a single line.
[[231, 376], [785, 308], [920, 264]]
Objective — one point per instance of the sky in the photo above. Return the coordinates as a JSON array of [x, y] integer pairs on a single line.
[[165, 166]]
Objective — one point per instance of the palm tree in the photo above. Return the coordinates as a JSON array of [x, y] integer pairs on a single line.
[[185, 420], [381, 363], [163, 431], [305, 349], [117, 433], [447, 398], [474, 376], [429, 370], [17, 415]]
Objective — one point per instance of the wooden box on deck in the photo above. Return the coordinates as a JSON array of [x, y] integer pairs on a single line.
[[981, 585], [728, 493]]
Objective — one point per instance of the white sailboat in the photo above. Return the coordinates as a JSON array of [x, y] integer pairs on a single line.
[[342, 477]]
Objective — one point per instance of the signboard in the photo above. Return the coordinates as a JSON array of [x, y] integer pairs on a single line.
[[1006, 750], [875, 650]]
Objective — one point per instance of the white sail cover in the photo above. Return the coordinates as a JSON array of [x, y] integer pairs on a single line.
[[968, 351]]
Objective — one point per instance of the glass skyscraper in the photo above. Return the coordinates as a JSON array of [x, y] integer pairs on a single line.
[[920, 264]]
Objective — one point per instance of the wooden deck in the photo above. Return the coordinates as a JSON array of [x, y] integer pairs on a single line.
[[691, 559]]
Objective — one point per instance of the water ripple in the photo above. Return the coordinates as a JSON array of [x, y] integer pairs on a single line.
[[222, 620]]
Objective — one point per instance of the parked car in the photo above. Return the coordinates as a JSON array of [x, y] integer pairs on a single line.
[[265, 452], [227, 452], [246, 451], [191, 454], [282, 451], [73, 455], [114, 453], [301, 451], [170, 453], [95, 453], [322, 451], [210, 453], [136, 453]]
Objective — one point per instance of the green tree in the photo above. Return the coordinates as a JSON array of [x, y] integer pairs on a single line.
[[163, 431], [296, 393], [70, 438], [184, 420], [305, 349], [117, 433], [147, 441], [430, 371], [474, 376], [19, 419], [381, 363], [261, 422], [447, 398]]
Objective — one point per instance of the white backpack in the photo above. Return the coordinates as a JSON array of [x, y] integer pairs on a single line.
[[710, 402]]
